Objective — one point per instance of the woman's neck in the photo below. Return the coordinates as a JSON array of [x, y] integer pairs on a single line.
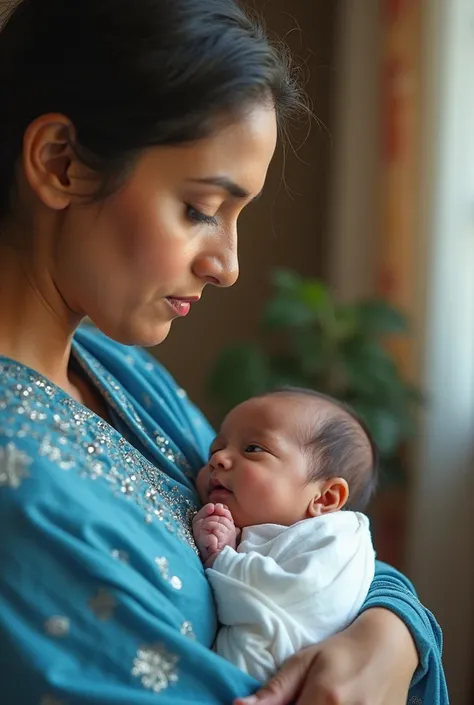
[[36, 327]]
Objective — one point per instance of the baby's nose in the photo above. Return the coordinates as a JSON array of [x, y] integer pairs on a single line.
[[221, 460]]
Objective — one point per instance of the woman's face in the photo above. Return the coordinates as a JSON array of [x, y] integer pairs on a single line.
[[136, 260]]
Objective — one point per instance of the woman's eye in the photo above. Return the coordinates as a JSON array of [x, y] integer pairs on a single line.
[[196, 216], [254, 448]]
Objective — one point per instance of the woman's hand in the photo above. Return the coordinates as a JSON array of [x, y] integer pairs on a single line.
[[371, 663]]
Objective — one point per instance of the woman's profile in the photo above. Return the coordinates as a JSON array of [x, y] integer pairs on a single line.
[[132, 135]]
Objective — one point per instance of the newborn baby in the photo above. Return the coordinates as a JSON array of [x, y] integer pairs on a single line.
[[287, 567]]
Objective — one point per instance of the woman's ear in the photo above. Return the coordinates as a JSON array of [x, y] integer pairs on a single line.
[[331, 496], [50, 165]]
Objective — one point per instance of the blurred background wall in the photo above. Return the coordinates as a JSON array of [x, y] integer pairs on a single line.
[[379, 199]]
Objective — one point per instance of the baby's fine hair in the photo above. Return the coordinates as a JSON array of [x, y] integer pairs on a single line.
[[341, 446]]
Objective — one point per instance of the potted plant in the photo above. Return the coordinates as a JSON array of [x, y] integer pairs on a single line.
[[312, 340]]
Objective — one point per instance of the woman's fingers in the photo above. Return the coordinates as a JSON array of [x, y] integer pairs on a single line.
[[285, 687]]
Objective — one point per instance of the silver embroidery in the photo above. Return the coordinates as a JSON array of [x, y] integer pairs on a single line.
[[181, 393], [155, 667], [149, 367], [57, 626], [415, 700], [120, 555], [174, 581], [103, 604], [187, 630], [13, 466], [100, 453]]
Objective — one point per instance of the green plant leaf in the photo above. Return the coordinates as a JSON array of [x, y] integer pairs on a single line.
[[346, 323], [316, 296], [369, 368], [240, 372], [310, 351], [378, 317], [285, 312], [285, 371], [285, 280]]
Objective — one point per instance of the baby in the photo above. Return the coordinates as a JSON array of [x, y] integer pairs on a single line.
[[288, 569]]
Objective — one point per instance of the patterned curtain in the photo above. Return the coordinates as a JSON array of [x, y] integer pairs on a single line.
[[398, 239]]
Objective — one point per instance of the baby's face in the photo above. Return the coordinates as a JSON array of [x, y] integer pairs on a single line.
[[257, 465]]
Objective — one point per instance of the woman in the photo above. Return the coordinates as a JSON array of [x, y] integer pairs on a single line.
[[132, 134]]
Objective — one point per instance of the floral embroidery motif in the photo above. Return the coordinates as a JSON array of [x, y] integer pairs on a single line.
[[57, 626], [155, 667], [120, 555], [187, 630], [13, 466], [103, 604], [415, 700], [174, 581]]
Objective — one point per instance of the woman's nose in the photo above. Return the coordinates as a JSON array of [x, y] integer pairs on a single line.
[[221, 266]]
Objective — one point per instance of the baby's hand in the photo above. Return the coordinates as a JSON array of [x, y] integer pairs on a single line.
[[214, 529]]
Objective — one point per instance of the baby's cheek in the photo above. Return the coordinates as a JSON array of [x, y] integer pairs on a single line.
[[202, 484], [258, 487]]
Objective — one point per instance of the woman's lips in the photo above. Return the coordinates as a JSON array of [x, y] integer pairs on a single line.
[[182, 308], [181, 305]]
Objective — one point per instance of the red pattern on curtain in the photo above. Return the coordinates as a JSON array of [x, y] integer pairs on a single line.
[[400, 91]]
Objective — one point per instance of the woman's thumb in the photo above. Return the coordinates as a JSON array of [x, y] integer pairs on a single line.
[[286, 684]]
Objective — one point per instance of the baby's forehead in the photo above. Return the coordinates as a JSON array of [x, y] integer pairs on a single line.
[[284, 413]]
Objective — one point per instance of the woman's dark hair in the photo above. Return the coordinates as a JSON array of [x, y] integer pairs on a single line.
[[131, 74]]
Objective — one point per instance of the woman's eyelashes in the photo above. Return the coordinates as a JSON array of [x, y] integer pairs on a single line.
[[197, 216]]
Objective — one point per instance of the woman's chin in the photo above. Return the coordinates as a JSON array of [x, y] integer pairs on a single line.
[[137, 333]]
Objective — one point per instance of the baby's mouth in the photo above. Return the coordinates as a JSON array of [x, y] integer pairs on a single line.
[[217, 488]]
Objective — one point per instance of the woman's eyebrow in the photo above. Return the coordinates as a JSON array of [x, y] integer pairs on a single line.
[[226, 184]]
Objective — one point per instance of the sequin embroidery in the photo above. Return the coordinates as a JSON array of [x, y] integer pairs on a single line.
[[13, 466], [120, 555], [57, 626], [174, 581], [155, 667], [75, 439], [187, 630]]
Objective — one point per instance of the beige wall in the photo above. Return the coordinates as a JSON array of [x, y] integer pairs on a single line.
[[281, 228]]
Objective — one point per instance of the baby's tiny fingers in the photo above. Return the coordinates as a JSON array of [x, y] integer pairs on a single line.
[[223, 510]]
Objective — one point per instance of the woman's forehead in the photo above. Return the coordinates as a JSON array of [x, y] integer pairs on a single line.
[[239, 153]]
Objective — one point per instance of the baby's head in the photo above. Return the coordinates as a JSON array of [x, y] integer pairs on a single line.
[[289, 455]]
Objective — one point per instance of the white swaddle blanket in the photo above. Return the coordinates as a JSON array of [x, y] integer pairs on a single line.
[[288, 587]]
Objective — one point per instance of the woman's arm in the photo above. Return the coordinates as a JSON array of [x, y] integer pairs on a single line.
[[392, 650]]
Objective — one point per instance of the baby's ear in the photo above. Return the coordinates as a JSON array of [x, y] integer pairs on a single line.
[[331, 496]]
